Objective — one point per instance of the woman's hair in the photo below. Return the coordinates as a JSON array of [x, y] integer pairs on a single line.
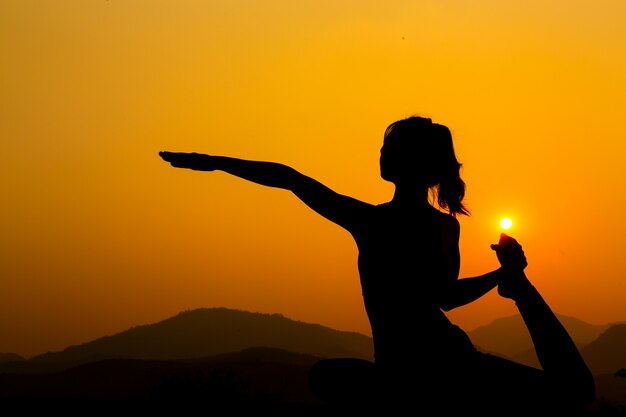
[[429, 148]]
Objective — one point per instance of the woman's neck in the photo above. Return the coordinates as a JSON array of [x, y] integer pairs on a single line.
[[410, 196]]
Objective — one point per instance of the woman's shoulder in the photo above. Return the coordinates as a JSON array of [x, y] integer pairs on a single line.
[[445, 217], [450, 225]]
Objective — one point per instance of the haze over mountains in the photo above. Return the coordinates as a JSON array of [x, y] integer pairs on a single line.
[[602, 346], [203, 340], [207, 332], [211, 331]]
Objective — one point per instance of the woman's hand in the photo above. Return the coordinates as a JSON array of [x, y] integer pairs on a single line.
[[195, 161], [510, 253]]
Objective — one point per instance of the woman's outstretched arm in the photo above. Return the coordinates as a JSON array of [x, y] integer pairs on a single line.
[[338, 208]]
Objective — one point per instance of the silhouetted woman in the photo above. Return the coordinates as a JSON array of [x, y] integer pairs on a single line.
[[409, 264]]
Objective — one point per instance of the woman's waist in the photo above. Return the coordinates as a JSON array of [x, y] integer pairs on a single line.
[[428, 336]]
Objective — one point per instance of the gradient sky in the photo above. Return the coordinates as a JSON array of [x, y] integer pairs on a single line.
[[99, 234]]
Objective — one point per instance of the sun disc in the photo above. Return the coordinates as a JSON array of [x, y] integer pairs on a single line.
[[506, 223]]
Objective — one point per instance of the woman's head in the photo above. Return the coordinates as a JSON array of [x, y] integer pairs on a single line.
[[416, 150]]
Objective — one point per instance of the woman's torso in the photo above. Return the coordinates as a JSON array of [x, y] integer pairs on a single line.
[[403, 267]]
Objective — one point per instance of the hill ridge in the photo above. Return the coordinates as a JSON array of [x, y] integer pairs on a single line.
[[209, 331]]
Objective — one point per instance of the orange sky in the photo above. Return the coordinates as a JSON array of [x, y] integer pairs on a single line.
[[99, 234]]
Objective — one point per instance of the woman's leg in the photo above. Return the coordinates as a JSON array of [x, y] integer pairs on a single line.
[[566, 373]]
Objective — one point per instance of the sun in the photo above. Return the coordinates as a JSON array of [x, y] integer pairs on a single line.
[[506, 223]]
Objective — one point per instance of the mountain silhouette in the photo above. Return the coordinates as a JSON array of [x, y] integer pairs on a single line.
[[252, 380], [206, 332], [607, 354], [214, 357], [508, 336], [10, 357], [606, 357], [611, 390], [255, 378]]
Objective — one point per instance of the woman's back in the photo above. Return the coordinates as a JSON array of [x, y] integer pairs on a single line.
[[404, 267]]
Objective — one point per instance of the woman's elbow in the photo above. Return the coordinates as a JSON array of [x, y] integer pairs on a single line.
[[447, 305], [449, 299]]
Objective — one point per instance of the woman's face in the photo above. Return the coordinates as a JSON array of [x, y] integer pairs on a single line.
[[392, 159]]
